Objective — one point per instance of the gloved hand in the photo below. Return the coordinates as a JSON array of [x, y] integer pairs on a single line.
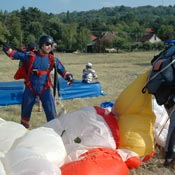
[[69, 78], [5, 48], [6, 51]]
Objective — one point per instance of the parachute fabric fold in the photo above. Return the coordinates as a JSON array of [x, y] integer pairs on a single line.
[[112, 122], [82, 130], [2, 170], [99, 161], [45, 142], [161, 124], [9, 132], [131, 159], [24, 161], [132, 100], [136, 118]]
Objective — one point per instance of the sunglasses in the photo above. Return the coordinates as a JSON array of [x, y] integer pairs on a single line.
[[47, 44]]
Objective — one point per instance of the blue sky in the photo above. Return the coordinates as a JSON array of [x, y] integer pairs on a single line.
[[58, 6]]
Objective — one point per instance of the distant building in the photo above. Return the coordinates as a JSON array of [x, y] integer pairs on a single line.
[[99, 43], [150, 36]]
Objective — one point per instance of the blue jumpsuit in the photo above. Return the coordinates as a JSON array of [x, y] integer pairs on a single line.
[[41, 63]]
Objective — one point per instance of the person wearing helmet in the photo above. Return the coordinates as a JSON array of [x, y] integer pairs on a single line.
[[89, 74], [37, 80], [32, 46], [54, 47]]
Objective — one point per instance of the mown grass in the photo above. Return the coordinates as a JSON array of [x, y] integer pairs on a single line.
[[115, 71]]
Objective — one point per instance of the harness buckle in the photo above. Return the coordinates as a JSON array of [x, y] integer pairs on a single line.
[[35, 71]]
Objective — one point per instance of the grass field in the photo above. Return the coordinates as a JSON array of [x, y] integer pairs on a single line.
[[115, 72]]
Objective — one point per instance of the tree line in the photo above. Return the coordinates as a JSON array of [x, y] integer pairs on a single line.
[[73, 30]]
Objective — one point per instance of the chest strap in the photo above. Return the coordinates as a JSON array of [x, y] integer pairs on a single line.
[[48, 82], [39, 73]]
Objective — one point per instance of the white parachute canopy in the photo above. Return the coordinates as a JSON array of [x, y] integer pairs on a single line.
[[44, 142], [9, 132], [43, 150], [2, 170], [161, 124], [23, 161], [82, 130], [30, 152]]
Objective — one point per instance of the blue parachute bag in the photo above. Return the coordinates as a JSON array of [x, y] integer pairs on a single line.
[[107, 105]]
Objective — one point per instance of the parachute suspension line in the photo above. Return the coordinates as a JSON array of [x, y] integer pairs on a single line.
[[144, 88], [62, 107], [56, 88], [163, 127], [170, 115]]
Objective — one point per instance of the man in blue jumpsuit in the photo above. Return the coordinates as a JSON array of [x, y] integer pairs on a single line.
[[37, 82]]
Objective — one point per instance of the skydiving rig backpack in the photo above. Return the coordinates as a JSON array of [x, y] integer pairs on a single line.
[[24, 71], [161, 81]]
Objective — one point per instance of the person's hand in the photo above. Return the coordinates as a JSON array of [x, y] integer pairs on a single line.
[[6, 49], [69, 78]]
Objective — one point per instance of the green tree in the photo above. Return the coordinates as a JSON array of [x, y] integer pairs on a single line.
[[35, 29], [166, 32], [69, 36], [135, 31], [83, 38], [4, 33], [16, 33], [31, 39]]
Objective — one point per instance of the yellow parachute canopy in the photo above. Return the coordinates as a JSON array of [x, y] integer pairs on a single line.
[[136, 118]]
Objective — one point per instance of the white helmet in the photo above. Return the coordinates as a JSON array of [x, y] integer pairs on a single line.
[[89, 65], [54, 46]]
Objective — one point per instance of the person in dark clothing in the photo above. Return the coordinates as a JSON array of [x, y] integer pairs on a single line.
[[170, 140]]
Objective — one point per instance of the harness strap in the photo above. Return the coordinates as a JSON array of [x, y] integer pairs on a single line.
[[39, 73], [27, 81], [49, 82]]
